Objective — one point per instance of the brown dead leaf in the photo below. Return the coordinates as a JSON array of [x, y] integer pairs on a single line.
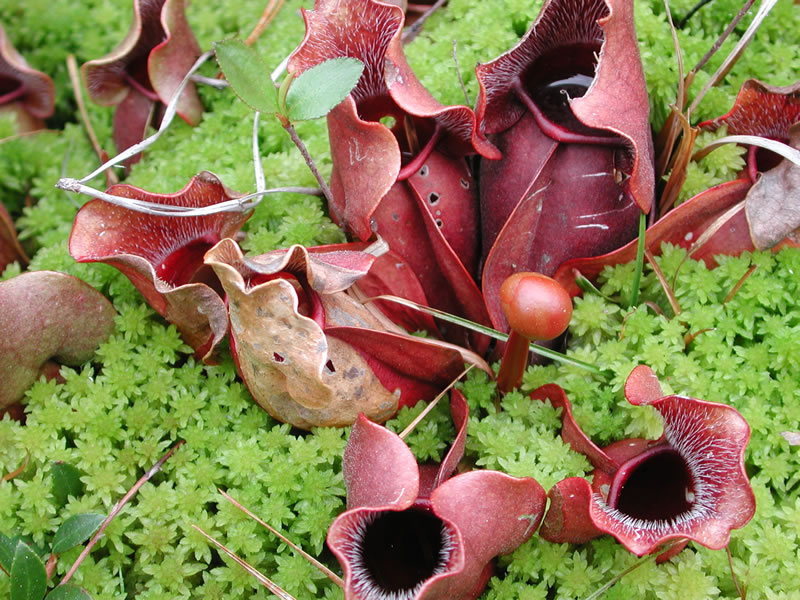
[[773, 203]]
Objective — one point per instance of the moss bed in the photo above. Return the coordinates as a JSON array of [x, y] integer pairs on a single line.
[[114, 417]]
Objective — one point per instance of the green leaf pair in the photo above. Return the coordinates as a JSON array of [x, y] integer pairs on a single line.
[[309, 96], [27, 569], [76, 530]]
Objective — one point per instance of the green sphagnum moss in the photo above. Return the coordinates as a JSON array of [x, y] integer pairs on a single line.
[[114, 417]]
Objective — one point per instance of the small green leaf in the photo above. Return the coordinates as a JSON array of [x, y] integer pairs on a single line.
[[68, 592], [76, 530], [316, 91], [28, 575], [248, 75], [66, 482], [7, 548]]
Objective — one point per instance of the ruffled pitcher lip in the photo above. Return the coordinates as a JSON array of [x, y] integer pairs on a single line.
[[386, 492], [702, 447]]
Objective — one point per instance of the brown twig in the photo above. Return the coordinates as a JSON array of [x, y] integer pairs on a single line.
[[739, 590], [763, 10], [262, 579], [18, 470], [692, 11], [270, 12], [690, 337], [728, 30], [411, 32], [74, 77], [325, 570], [673, 301], [403, 434], [460, 78], [117, 508], [678, 162], [739, 284]]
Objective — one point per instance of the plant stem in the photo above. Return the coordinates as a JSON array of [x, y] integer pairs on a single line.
[[682, 23], [261, 578], [412, 31], [730, 60], [739, 284], [460, 78], [637, 274], [515, 359], [326, 191], [673, 300]]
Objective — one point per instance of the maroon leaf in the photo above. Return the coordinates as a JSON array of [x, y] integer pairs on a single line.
[[398, 165], [391, 275], [761, 109], [714, 218], [163, 256], [732, 217], [28, 93], [396, 541], [47, 316], [313, 355], [651, 493], [568, 109], [143, 72]]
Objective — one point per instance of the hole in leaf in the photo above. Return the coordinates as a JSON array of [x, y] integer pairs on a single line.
[[329, 366], [423, 172], [278, 358], [439, 223], [433, 198]]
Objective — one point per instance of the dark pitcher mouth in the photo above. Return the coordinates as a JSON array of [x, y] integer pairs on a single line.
[[656, 486], [185, 264], [10, 89], [393, 553], [547, 86]]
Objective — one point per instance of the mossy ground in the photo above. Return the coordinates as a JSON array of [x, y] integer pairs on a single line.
[[114, 417]]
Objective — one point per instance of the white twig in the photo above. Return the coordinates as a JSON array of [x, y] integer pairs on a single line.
[[261, 182], [169, 114], [220, 84], [775, 146], [275, 75], [243, 204]]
